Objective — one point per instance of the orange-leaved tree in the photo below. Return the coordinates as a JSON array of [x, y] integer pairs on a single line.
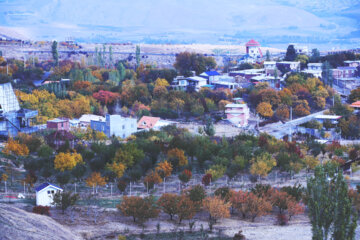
[[217, 209], [164, 169], [13, 147], [140, 209], [95, 180], [177, 157], [168, 203], [186, 208]]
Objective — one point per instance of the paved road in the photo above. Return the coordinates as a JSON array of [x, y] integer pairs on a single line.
[[279, 129]]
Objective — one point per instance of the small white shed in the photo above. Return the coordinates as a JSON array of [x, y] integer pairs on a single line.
[[44, 194]]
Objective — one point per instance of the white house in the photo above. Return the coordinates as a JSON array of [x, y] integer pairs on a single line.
[[115, 125], [196, 82], [237, 114], [85, 120], [44, 194]]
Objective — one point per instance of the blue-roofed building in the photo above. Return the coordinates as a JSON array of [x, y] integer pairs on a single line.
[[210, 76], [14, 119], [45, 192]]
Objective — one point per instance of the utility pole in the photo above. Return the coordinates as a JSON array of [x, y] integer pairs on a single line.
[[291, 114]]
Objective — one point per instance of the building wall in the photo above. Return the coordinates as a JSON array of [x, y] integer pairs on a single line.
[[65, 125], [44, 197], [120, 126]]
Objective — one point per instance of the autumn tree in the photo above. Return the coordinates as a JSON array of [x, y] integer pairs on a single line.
[[262, 164], [95, 180], [67, 161], [196, 194], [294, 208], [256, 206], [185, 176], [206, 179], [117, 168], [151, 179], [186, 208], [177, 157], [164, 169], [63, 199], [310, 162], [217, 209], [13, 147], [238, 201], [264, 109], [168, 203], [141, 209]]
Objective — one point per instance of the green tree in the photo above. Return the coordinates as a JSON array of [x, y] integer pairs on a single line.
[[63, 200], [329, 205], [268, 55], [209, 127], [290, 53], [327, 76], [137, 53], [55, 53], [315, 56]]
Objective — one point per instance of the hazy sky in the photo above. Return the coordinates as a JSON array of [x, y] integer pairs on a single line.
[[333, 23]]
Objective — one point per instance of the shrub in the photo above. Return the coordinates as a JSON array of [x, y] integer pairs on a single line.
[[206, 179], [42, 210], [185, 176]]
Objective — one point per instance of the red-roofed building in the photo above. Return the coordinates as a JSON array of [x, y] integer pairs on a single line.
[[155, 123], [355, 104], [253, 49]]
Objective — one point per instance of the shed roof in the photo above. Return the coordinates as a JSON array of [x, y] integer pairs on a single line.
[[252, 43], [45, 185]]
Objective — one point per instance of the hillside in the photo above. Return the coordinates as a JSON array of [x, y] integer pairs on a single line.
[[18, 224]]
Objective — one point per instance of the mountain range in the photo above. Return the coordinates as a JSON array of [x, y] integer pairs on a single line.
[[326, 24]]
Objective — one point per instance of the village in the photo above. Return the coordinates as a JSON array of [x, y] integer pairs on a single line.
[[105, 144]]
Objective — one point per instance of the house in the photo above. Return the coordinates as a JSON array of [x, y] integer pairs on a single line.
[[210, 76], [85, 120], [237, 114], [225, 81], [59, 124], [195, 83], [247, 73], [14, 119], [155, 123], [333, 118], [314, 66], [44, 194], [288, 66], [352, 63], [344, 72], [115, 125], [180, 83], [270, 68], [253, 49]]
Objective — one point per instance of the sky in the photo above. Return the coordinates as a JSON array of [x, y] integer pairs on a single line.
[[326, 24]]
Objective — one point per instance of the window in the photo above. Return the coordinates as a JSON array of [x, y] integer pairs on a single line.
[[124, 135], [48, 192], [123, 126], [52, 191]]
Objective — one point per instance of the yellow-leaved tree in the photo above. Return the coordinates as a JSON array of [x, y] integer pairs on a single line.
[[13, 147], [262, 164], [177, 157], [117, 168], [161, 82], [67, 161], [264, 109], [217, 209]]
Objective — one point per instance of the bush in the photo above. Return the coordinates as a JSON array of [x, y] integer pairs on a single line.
[[206, 179], [42, 210]]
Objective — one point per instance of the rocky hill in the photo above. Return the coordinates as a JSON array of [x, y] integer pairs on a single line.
[[16, 223]]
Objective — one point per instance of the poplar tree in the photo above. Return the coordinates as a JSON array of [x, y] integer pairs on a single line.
[[137, 55], [55, 53], [329, 205]]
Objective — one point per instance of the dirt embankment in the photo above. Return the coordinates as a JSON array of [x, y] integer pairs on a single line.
[[16, 223]]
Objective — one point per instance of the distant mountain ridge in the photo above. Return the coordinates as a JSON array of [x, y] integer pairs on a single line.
[[186, 21]]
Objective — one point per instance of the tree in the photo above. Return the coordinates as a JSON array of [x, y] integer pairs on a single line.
[[55, 53], [310, 162], [315, 55], [282, 112], [151, 179], [326, 75], [290, 53], [186, 62], [164, 169], [206, 179], [238, 201], [216, 171], [256, 206], [185, 208], [209, 127], [137, 55], [280, 200], [217, 209], [63, 199], [169, 202], [177, 157], [354, 95], [95, 180], [67, 161], [185, 176], [13, 147], [329, 205], [268, 55], [264, 109], [196, 194], [262, 164], [117, 168], [294, 208], [141, 209]]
